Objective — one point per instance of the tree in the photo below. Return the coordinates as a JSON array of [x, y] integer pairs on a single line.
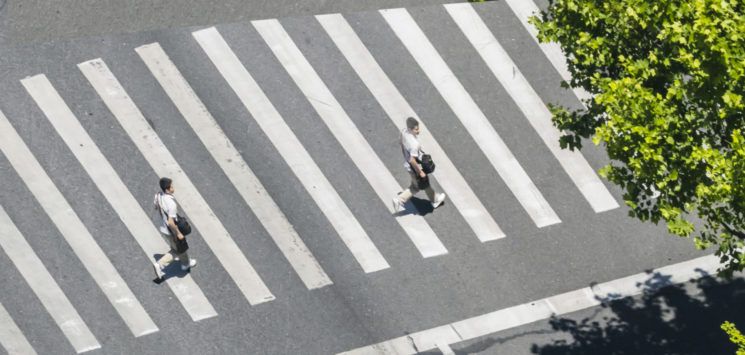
[[735, 337], [667, 79]]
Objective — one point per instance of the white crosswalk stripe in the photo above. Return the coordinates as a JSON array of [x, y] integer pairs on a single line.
[[163, 163], [471, 116], [292, 151], [44, 287], [235, 168], [530, 104], [11, 337], [524, 9], [398, 109], [345, 131], [112, 187], [74, 231]]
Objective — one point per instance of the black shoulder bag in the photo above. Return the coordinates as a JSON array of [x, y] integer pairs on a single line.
[[183, 226], [428, 165]]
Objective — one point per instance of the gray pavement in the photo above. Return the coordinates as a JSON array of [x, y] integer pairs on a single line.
[[358, 309], [23, 21]]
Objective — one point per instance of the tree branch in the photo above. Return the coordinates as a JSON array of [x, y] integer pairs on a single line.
[[729, 229]]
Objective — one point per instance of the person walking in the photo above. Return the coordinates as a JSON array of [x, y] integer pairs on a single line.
[[166, 204], [412, 151]]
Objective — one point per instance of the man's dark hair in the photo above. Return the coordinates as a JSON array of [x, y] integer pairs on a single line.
[[411, 123], [165, 183]]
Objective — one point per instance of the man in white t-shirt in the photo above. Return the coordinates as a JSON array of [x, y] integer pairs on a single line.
[[412, 150], [167, 207]]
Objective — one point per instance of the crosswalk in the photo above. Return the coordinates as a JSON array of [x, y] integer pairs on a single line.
[[112, 187], [237, 170], [161, 160], [350, 138], [46, 289], [471, 116], [11, 336], [259, 107], [523, 10], [289, 146], [530, 104], [73, 230], [397, 108]]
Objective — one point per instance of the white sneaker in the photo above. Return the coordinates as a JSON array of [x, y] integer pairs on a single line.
[[397, 205], [158, 271], [438, 200], [192, 263]]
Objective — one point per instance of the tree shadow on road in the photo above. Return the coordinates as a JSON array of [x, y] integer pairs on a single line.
[[664, 319]]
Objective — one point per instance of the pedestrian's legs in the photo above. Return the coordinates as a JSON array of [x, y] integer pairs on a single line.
[[435, 198], [430, 193], [184, 259], [405, 196], [168, 257]]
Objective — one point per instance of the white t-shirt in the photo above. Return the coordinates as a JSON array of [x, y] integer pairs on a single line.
[[168, 206], [410, 147]]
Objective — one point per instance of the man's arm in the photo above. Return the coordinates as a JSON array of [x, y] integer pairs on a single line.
[[415, 165], [174, 228]]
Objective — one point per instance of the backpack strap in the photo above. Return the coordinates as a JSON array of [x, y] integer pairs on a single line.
[[163, 214], [160, 204]]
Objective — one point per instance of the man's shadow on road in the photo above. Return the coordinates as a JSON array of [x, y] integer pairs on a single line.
[[417, 206]]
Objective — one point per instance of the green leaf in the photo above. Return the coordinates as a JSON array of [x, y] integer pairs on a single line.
[[680, 227]]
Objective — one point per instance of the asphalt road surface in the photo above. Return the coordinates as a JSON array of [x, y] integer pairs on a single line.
[[93, 118], [42, 20]]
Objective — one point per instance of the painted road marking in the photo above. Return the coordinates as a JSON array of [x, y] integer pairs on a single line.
[[45, 288], [497, 59], [292, 151], [345, 131], [111, 186], [398, 109], [234, 166], [73, 230], [523, 9], [471, 116], [541, 309], [11, 337], [163, 163]]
